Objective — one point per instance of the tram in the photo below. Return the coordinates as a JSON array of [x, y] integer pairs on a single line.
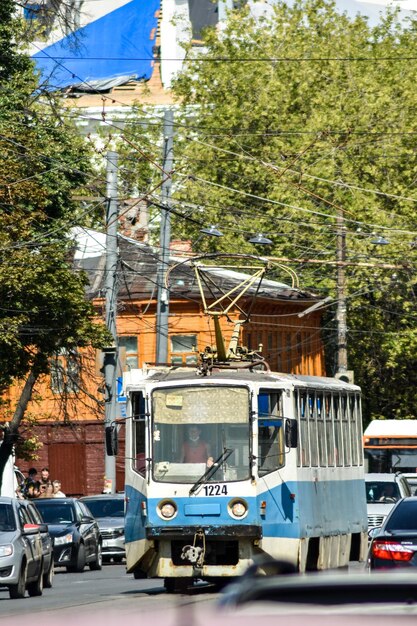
[[276, 469]]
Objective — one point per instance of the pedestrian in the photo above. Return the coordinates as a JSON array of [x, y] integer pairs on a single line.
[[30, 486], [46, 491], [45, 479], [32, 491], [56, 486]]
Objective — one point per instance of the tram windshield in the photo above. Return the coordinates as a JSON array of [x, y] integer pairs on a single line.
[[195, 426]]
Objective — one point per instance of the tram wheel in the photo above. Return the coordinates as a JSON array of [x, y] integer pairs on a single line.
[[177, 585]]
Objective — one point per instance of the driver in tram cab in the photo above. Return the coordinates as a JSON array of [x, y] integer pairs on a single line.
[[195, 450]]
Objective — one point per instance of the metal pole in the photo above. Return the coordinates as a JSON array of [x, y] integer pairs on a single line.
[[110, 354], [162, 309], [341, 316]]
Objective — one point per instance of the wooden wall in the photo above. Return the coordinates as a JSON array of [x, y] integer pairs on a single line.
[[71, 426]]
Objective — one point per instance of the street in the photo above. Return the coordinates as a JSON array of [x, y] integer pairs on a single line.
[[102, 597]]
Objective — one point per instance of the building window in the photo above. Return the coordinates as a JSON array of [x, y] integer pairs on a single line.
[[183, 343], [183, 349], [65, 370], [129, 351]]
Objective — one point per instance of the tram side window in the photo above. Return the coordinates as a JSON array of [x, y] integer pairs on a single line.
[[321, 433], [138, 425], [270, 432], [312, 420], [329, 431], [354, 424], [303, 413], [337, 430], [347, 445]]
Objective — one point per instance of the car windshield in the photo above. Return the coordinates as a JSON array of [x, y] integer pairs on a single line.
[[103, 507], [7, 519], [56, 512], [403, 517], [380, 491]]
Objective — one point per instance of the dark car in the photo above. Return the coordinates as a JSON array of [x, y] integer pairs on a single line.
[[75, 532], [21, 557], [109, 511], [321, 598], [394, 544], [47, 543]]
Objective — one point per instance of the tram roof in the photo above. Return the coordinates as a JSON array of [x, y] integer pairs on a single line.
[[236, 375]]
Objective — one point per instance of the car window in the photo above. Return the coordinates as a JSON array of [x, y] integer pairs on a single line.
[[56, 512], [24, 518], [378, 490], [403, 517], [7, 518], [34, 514], [82, 510], [106, 507]]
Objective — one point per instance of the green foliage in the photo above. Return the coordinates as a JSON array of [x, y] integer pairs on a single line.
[[43, 306], [288, 123]]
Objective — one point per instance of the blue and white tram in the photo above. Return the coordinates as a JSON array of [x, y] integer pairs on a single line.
[[287, 478]]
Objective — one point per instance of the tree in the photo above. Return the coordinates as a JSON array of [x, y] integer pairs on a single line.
[[43, 305], [288, 122]]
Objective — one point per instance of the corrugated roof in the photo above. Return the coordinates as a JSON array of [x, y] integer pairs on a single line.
[[138, 277]]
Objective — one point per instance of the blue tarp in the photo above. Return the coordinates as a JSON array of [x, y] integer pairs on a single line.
[[118, 44]]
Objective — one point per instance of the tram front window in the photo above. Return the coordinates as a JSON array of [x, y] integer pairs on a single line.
[[193, 427]]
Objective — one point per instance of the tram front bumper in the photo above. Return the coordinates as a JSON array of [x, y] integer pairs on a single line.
[[178, 532], [202, 552]]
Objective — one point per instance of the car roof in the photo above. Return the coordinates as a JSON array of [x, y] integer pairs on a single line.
[[103, 496], [324, 588], [55, 500], [7, 500], [384, 477]]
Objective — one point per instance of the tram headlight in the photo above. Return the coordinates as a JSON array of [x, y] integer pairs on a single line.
[[238, 508], [167, 509]]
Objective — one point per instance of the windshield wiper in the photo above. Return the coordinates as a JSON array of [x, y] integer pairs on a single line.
[[211, 470]]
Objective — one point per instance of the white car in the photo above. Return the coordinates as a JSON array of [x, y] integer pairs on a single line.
[[382, 492], [412, 481]]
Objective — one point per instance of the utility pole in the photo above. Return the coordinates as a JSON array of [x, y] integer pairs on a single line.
[[341, 316], [162, 308], [110, 353]]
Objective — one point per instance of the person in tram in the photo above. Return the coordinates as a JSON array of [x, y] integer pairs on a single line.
[[195, 449]]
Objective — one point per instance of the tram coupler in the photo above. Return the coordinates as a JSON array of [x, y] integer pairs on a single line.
[[193, 553]]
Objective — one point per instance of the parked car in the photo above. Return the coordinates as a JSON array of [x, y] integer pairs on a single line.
[[21, 552], [382, 492], [75, 533], [109, 511], [47, 543]]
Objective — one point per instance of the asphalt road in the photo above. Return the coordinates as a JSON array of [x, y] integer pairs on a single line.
[[105, 597]]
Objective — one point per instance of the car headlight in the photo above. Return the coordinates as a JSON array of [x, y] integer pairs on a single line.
[[238, 508], [167, 509], [119, 532], [59, 541], [6, 550]]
